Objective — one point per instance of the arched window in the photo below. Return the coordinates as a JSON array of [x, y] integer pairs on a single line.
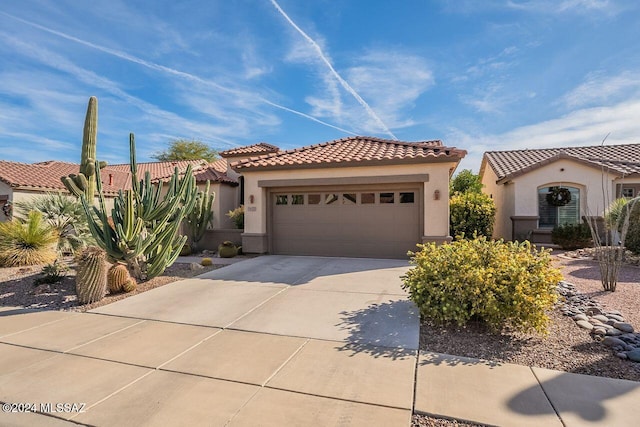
[[551, 215]]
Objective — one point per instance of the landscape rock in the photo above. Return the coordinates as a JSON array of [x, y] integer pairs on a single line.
[[614, 332], [613, 342], [580, 316], [584, 324], [622, 355], [624, 327], [194, 266], [634, 355], [615, 317], [601, 317]]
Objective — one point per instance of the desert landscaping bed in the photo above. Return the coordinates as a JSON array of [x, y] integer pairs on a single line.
[[17, 287]]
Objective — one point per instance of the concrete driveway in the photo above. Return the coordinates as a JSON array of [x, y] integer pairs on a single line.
[[273, 340]]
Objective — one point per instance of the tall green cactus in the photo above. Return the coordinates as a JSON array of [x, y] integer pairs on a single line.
[[200, 216], [91, 277], [84, 183], [144, 228]]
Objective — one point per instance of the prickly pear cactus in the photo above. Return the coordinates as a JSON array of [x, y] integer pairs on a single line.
[[91, 277], [117, 277]]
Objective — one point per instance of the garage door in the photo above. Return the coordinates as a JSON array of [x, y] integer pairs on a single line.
[[380, 224]]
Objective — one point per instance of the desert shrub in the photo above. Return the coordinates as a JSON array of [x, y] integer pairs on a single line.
[[52, 273], [237, 216], [632, 241], [63, 213], [572, 236], [503, 284], [28, 242], [471, 214]]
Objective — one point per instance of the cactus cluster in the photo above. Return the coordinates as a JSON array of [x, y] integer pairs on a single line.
[[200, 216], [91, 276], [144, 223], [84, 183]]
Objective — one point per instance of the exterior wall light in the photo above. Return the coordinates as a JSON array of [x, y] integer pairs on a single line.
[[251, 198], [436, 195]]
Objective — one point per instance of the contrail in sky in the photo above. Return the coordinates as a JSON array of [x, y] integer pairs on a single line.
[[342, 81], [172, 71]]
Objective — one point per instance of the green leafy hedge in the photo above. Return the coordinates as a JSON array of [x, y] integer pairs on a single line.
[[503, 284], [572, 236], [471, 214]]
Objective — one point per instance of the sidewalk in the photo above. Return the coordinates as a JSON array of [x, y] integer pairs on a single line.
[[274, 341], [512, 395]]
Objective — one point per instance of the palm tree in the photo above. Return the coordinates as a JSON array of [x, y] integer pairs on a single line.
[[27, 242], [65, 214]]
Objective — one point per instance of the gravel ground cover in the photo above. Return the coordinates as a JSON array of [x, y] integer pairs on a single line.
[[17, 287]]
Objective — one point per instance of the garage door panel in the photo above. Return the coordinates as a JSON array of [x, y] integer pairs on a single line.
[[384, 230]]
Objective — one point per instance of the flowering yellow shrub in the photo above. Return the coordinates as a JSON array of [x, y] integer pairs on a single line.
[[504, 284]]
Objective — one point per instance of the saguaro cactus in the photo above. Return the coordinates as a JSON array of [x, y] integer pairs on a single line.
[[144, 229], [91, 277], [200, 216], [84, 183]]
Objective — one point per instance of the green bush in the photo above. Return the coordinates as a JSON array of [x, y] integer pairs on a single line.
[[572, 236], [632, 241], [503, 284], [471, 214]]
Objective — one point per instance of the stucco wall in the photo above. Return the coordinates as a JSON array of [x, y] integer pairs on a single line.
[[502, 196], [568, 173], [436, 212]]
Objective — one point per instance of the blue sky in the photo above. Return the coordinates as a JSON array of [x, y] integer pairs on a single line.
[[480, 75]]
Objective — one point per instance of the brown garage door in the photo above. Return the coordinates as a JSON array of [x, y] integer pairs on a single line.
[[380, 224]]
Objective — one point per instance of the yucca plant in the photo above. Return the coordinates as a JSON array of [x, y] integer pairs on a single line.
[[65, 214], [28, 242]]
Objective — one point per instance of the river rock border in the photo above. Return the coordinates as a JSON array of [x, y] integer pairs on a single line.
[[607, 326]]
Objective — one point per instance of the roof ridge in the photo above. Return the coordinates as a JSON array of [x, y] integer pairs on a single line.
[[563, 148]]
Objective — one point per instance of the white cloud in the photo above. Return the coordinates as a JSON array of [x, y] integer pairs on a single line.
[[583, 127], [324, 58], [608, 7], [599, 88]]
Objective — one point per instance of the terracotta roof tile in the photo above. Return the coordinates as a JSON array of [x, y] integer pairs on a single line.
[[46, 175], [250, 150], [352, 151], [215, 171], [621, 159]]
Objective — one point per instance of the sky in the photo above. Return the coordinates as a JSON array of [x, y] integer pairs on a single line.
[[478, 75]]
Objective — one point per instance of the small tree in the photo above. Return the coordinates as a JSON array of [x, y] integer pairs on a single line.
[[465, 182], [472, 214], [184, 149]]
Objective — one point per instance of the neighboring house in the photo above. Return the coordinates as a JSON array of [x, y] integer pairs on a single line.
[[519, 181], [356, 196], [21, 181]]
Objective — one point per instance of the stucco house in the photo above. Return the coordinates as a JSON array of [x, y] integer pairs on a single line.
[[519, 182], [22, 181], [355, 196]]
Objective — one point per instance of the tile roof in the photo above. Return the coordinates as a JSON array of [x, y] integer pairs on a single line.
[[215, 171], [620, 159], [354, 151], [160, 170], [46, 175], [255, 150]]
